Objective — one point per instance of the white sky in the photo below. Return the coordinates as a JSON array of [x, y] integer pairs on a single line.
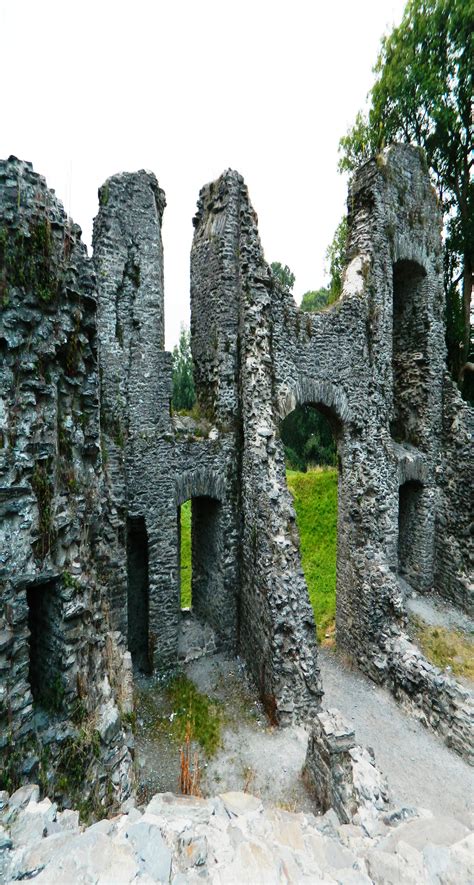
[[188, 88]]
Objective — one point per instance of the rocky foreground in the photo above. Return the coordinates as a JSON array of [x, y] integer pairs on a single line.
[[232, 838]]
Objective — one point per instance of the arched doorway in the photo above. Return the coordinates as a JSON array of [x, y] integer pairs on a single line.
[[207, 590], [310, 434], [409, 352]]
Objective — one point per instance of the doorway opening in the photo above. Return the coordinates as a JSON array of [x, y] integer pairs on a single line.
[[200, 551], [410, 542], [138, 589], [46, 645], [309, 435], [410, 332], [184, 555]]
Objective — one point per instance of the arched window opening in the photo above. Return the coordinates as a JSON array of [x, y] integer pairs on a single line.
[[184, 555], [410, 331], [138, 594], [309, 435], [200, 545]]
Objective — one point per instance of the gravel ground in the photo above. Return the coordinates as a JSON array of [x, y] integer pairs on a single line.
[[254, 757], [421, 770], [438, 613]]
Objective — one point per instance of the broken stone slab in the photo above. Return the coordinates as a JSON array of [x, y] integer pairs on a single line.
[[21, 797], [150, 849], [30, 860], [253, 863], [193, 850], [421, 832], [32, 821], [237, 803], [460, 867], [170, 806], [386, 868], [91, 857]]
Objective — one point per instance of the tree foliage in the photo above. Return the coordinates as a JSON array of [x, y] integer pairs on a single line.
[[422, 95], [336, 259], [184, 395], [284, 274], [315, 300], [307, 438]]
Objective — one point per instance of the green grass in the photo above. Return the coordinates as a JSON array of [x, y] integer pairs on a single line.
[[186, 555], [315, 499], [205, 716]]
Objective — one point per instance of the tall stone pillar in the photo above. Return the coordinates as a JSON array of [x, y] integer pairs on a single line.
[[135, 410]]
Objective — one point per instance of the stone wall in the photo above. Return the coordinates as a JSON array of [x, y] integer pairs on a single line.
[[345, 360], [455, 511], [231, 296], [59, 679], [342, 775], [373, 362]]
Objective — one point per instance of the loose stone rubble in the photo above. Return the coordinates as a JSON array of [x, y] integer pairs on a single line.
[[231, 838], [342, 775], [94, 468]]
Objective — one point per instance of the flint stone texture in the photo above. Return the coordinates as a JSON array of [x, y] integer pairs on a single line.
[[53, 495], [94, 468], [342, 775], [374, 364]]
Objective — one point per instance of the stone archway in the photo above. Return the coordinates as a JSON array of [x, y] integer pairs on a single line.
[[213, 593]]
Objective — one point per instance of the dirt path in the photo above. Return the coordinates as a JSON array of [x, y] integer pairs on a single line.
[[420, 769], [438, 613], [254, 756]]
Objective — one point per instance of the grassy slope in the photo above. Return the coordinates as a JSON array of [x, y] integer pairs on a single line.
[[315, 498], [186, 555]]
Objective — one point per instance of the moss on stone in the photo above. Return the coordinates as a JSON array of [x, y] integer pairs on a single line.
[[27, 262], [43, 489]]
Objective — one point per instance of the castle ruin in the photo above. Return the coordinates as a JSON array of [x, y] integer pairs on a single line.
[[94, 466]]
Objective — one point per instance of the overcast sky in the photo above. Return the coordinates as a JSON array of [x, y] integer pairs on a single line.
[[188, 88]]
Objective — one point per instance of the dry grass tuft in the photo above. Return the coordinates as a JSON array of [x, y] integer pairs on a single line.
[[447, 648]]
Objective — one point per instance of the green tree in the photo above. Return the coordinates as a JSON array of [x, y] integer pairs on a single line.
[[422, 95], [315, 300], [307, 438], [184, 395], [336, 259], [284, 274]]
